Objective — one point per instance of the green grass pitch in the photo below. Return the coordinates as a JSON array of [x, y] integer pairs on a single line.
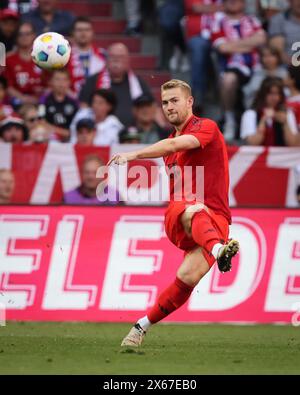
[[93, 348]]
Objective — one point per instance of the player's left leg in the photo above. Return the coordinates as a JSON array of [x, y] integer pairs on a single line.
[[192, 269]]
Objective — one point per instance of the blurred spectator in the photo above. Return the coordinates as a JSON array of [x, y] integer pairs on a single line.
[[297, 182], [9, 20], [236, 37], [86, 58], [89, 192], [86, 132], [48, 18], [13, 130], [130, 135], [25, 83], [269, 123], [298, 194], [292, 83], [5, 109], [271, 66], [144, 110], [18, 5], [102, 111], [40, 131], [59, 107], [266, 9], [170, 15], [199, 18], [7, 186], [284, 30], [126, 85], [133, 17]]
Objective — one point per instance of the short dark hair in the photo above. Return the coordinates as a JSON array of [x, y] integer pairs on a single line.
[[62, 71], [294, 73], [107, 95], [81, 19]]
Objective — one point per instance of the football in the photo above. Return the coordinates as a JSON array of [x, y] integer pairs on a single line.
[[51, 51]]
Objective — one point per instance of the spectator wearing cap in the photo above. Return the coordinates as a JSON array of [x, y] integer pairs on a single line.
[[13, 130], [86, 132], [130, 135], [90, 191], [7, 186], [48, 18], [144, 110], [9, 20], [102, 112]]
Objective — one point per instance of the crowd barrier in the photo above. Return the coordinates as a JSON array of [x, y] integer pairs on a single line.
[[258, 176]]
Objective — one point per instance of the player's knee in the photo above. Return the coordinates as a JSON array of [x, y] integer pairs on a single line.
[[189, 277]]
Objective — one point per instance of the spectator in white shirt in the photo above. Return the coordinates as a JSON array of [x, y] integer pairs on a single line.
[[269, 123], [102, 110]]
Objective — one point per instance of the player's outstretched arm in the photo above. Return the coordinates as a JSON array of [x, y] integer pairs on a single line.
[[157, 150]]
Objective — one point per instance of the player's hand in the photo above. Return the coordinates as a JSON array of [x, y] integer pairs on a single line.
[[123, 158]]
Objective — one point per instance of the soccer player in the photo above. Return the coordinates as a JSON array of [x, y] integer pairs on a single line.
[[200, 228]]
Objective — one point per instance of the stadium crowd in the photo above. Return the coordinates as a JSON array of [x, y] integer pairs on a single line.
[[250, 51], [243, 52]]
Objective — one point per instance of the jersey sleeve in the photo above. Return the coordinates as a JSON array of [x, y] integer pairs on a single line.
[[205, 132]]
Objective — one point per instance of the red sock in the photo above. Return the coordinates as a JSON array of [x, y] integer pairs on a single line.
[[171, 299], [203, 231]]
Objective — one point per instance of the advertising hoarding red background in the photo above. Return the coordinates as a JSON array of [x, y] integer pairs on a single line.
[[108, 264]]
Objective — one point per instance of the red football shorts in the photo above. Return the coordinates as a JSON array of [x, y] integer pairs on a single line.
[[177, 235]]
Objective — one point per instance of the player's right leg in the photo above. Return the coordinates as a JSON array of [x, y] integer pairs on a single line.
[[190, 272], [211, 236]]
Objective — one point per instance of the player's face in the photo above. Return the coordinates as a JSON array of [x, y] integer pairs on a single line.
[[176, 105]]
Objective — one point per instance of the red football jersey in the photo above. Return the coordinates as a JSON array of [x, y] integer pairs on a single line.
[[23, 75], [211, 156]]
